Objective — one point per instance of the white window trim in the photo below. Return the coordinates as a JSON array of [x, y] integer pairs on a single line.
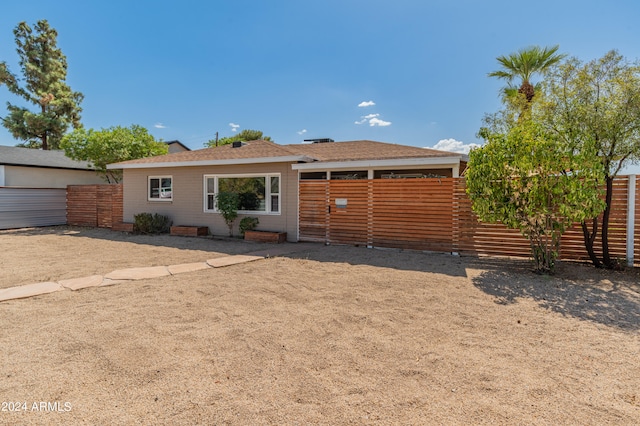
[[267, 194], [164, 200]]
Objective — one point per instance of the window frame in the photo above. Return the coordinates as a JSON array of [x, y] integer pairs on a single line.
[[267, 189], [159, 177]]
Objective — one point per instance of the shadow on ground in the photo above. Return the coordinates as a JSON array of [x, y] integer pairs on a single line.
[[384, 258], [611, 298], [210, 243], [404, 260]]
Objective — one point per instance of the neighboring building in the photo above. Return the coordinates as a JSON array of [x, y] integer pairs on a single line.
[[183, 185], [176, 146], [33, 186], [34, 168]]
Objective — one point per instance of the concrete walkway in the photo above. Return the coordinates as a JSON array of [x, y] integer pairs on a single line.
[[132, 274]]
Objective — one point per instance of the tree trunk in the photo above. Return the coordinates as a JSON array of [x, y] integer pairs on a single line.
[[589, 239], [45, 145], [606, 257]]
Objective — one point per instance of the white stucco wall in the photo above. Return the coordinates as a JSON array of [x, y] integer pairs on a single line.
[[40, 177]]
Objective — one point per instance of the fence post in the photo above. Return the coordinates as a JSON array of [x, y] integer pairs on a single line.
[[631, 216]]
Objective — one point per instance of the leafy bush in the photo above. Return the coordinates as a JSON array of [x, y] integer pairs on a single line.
[[248, 224], [147, 223], [227, 203]]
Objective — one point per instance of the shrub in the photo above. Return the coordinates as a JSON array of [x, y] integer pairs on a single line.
[[228, 203], [147, 223], [248, 224]]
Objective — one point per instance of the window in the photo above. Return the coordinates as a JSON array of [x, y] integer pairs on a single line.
[[258, 193], [160, 188]]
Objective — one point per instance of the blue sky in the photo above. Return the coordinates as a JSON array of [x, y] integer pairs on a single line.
[[412, 72]]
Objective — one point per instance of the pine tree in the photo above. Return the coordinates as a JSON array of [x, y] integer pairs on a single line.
[[44, 69]]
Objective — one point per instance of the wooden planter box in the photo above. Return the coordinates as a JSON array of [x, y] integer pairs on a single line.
[[266, 236], [190, 231], [123, 227]]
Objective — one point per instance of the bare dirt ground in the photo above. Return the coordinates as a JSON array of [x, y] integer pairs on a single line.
[[332, 335]]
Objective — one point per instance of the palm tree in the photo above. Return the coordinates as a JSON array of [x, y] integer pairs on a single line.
[[524, 64]]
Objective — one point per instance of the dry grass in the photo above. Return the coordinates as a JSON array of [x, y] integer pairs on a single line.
[[334, 335]]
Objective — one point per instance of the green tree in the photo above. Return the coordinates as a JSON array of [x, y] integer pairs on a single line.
[[243, 136], [44, 69], [112, 145], [523, 65], [595, 107], [529, 181]]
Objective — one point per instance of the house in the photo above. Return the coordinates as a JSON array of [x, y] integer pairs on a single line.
[[183, 185], [176, 146], [33, 186]]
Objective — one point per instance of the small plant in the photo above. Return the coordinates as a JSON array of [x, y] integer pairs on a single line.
[[248, 224], [147, 223], [227, 203]]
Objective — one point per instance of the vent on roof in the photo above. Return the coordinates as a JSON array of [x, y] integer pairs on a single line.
[[236, 144], [321, 140]]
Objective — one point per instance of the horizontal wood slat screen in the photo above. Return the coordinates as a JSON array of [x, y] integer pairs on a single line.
[[435, 214], [312, 211], [349, 224], [408, 213], [494, 239], [413, 213], [94, 205]]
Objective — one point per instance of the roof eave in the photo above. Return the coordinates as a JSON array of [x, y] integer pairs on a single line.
[[228, 162], [397, 162]]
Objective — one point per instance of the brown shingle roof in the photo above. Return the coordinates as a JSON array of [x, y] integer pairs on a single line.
[[261, 150], [364, 150], [248, 150]]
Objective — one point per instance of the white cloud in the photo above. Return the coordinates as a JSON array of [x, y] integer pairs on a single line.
[[368, 117], [234, 127], [159, 126], [453, 145], [302, 132], [365, 104], [378, 122]]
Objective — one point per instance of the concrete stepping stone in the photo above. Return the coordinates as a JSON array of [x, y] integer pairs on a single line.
[[29, 290], [138, 273], [187, 267], [108, 281], [232, 260], [84, 282]]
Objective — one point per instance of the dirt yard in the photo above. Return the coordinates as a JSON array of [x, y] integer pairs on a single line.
[[331, 335]]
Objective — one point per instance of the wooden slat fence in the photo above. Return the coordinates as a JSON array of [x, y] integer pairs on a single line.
[[435, 214], [94, 205], [349, 224], [414, 214], [313, 211], [475, 237]]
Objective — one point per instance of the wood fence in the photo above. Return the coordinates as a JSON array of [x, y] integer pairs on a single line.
[[435, 214], [94, 205]]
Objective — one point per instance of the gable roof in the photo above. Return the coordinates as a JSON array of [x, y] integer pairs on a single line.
[[364, 150], [261, 151], [177, 146], [53, 159]]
